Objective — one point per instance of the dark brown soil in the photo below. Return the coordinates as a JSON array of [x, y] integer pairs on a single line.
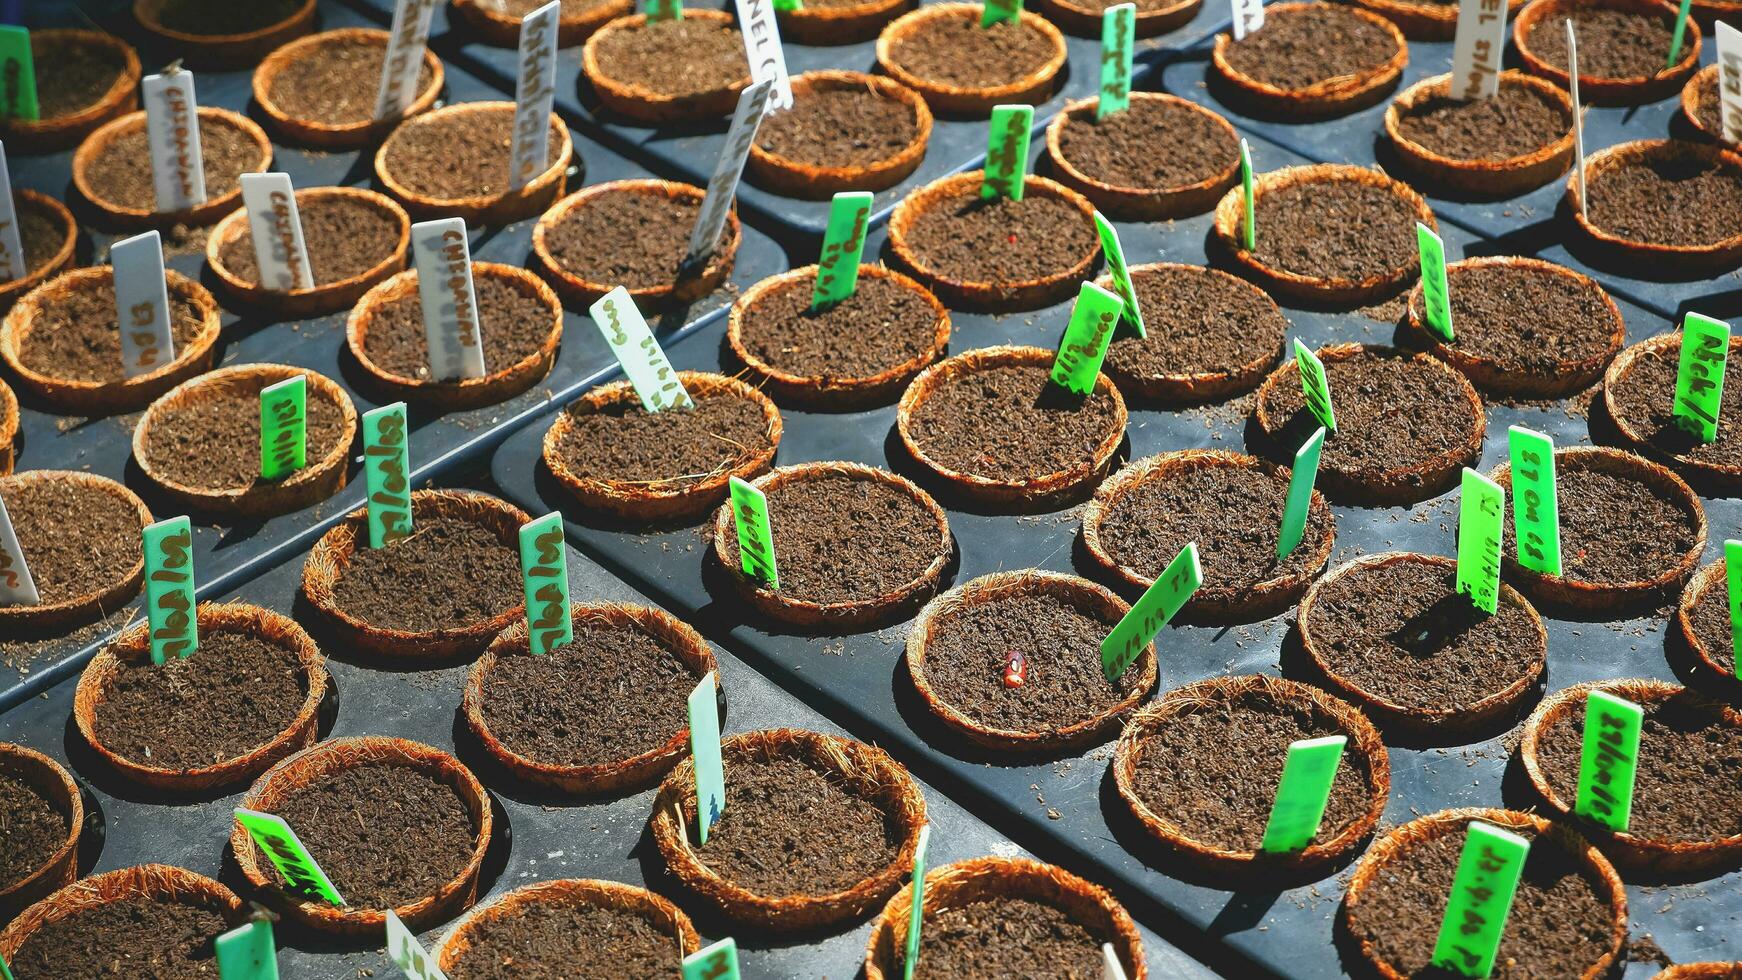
[[1393, 412], [1400, 632], [1708, 108], [345, 238], [1689, 783], [448, 574], [839, 128], [454, 156], [766, 840], [324, 84], [627, 444], [75, 540], [557, 940], [1010, 423], [130, 937], [1232, 512], [121, 174], [1302, 47], [237, 692], [1517, 121], [966, 656], [675, 58], [894, 539], [1527, 321], [1197, 322], [76, 336], [386, 835], [1337, 229], [214, 444], [1684, 201], [958, 51], [1614, 529], [219, 17], [1016, 937], [998, 240], [1645, 396], [882, 326], [570, 8], [634, 239], [614, 693], [1143, 6], [40, 232], [514, 324], [1711, 619], [1152, 144], [1213, 772], [1558, 926], [1612, 43], [72, 77], [32, 828]]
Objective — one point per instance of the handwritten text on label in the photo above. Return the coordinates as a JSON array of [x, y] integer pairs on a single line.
[[178, 171]]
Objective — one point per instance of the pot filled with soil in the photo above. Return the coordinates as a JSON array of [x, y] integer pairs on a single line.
[[311, 88], [1639, 398], [961, 68], [48, 234], [634, 234], [1082, 18], [1515, 141], [832, 22], [83, 80], [80, 536], [112, 169], [1425, 20], [1309, 61], [1702, 108], [1665, 207], [224, 34], [453, 162], [607, 929], [1208, 336], [153, 914], [355, 239], [1162, 157], [668, 71], [44, 817], [498, 21], [1622, 48], [1703, 620], [845, 131]]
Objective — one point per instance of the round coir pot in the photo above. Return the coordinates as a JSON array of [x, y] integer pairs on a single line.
[[854, 354], [1664, 207], [608, 930], [83, 80], [8, 428], [453, 162], [62, 342], [384, 806], [309, 88], [604, 713], [48, 234], [1622, 48], [628, 63], [518, 320], [835, 22], [498, 21], [1310, 61], [960, 651], [1425, 20], [1702, 107], [1082, 18], [355, 239], [961, 68], [1198, 769], [901, 532], [634, 234], [971, 908], [1162, 157], [1208, 335], [846, 131], [614, 456], [80, 534], [789, 782], [1569, 918], [199, 443], [112, 169], [443, 591], [222, 34], [1501, 147], [1639, 398], [45, 808], [1703, 620], [244, 699], [125, 915]]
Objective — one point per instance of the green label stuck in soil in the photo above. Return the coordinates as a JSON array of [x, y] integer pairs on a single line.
[[1120, 272], [755, 533], [1315, 387], [1699, 379], [544, 570], [1436, 304], [1300, 494], [283, 428], [1609, 761], [916, 905], [1302, 793], [247, 952], [1118, 38], [1007, 151], [1535, 504], [1153, 609], [1094, 317], [286, 852], [704, 717], [716, 962], [387, 472], [843, 247], [17, 75], [1481, 515], [1733, 573], [658, 10], [1000, 11], [170, 612], [1481, 898], [1679, 34], [1249, 204]]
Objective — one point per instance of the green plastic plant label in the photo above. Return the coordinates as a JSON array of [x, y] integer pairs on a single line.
[[716, 962], [283, 428], [1699, 379], [1007, 152], [1476, 48], [658, 10], [1481, 898], [1249, 201], [1118, 39], [407, 37], [755, 533], [1300, 494], [1302, 793], [1094, 317], [17, 585], [544, 571], [1435, 290], [286, 852], [170, 610], [1679, 34], [843, 247], [651, 375], [1609, 760], [916, 906], [408, 954], [1000, 11], [247, 952], [534, 94], [788, 6], [387, 472], [704, 717], [5, 970], [17, 75], [1315, 386], [1730, 80], [1733, 573], [1120, 272], [1153, 609], [1535, 505], [1481, 514]]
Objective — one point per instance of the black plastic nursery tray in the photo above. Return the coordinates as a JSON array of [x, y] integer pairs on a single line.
[[229, 554], [1064, 808]]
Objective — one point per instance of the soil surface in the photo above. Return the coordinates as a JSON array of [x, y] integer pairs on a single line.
[[969, 238], [1299, 48], [559, 940], [1645, 396], [1711, 619], [626, 444], [76, 540], [1684, 201], [1016, 937], [448, 574], [323, 84], [214, 443], [630, 238], [344, 237], [120, 176], [454, 156], [40, 232], [882, 326], [958, 51], [1614, 529], [1152, 144], [31, 830], [76, 335], [570, 8], [1336, 229], [674, 58], [1011, 423], [513, 322], [72, 77], [1528, 322], [1708, 108], [1517, 121], [1196, 322], [131, 937], [1612, 43], [212, 18], [838, 127]]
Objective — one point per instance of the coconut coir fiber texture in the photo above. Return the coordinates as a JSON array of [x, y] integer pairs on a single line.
[[448, 574], [561, 940], [625, 443], [1011, 423], [883, 325], [76, 335], [513, 323]]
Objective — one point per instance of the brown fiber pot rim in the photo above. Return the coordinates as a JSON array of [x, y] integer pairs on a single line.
[[133, 646], [96, 144], [1365, 750], [50, 779], [1078, 591], [308, 767], [578, 892], [479, 203], [801, 176], [956, 98], [862, 770], [1439, 86], [580, 288], [63, 131], [1712, 578], [499, 28], [1638, 88], [106, 597], [1447, 822], [235, 223], [1331, 93], [8, 426], [1723, 475], [1644, 152], [676, 637], [996, 878], [337, 135], [1703, 79], [1220, 181], [627, 90], [160, 882], [1414, 717], [146, 11], [1199, 385], [63, 255], [1424, 21]]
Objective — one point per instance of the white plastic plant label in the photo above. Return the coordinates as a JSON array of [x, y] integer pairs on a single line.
[[178, 171], [1578, 113], [1730, 81], [1476, 49], [406, 40], [723, 188], [762, 48], [408, 954], [1248, 17], [142, 304], [278, 246], [450, 302], [533, 94], [17, 588], [12, 262]]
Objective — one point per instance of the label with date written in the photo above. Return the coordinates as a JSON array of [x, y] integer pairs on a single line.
[[716, 962], [544, 571], [1535, 504], [1609, 760], [142, 304], [1699, 378], [655, 381], [178, 170], [285, 850], [1730, 81], [1118, 38], [387, 472], [1476, 49], [704, 718], [843, 247], [283, 428], [277, 227], [1006, 170], [755, 534], [1482, 889], [448, 298], [1077, 365], [247, 952], [17, 588], [408, 954], [1481, 515]]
